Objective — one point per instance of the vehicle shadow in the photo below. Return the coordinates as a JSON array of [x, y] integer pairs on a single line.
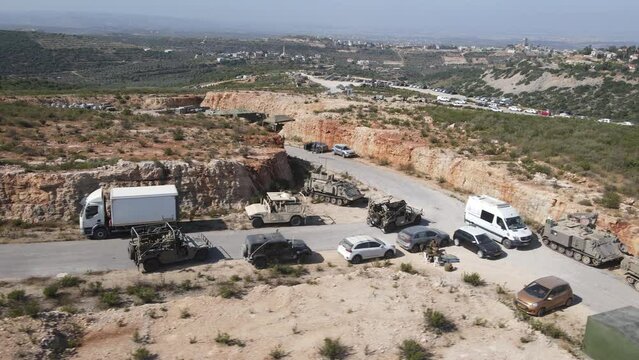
[[318, 220], [360, 203], [534, 244], [315, 258], [215, 255], [202, 225]]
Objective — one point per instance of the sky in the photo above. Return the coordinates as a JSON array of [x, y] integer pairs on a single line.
[[549, 19]]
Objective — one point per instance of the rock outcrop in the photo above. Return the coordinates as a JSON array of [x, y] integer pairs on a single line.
[[163, 102], [55, 196]]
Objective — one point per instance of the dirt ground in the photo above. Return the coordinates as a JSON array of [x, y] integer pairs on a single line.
[[370, 308]]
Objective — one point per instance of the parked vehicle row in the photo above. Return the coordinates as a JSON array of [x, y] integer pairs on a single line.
[[342, 150]]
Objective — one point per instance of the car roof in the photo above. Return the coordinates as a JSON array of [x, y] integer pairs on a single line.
[[356, 239], [473, 230], [550, 282], [419, 228], [258, 239]]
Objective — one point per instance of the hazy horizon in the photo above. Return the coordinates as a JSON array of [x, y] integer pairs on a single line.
[[570, 20]]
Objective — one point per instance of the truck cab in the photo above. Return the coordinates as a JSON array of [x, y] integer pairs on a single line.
[[500, 221], [93, 216]]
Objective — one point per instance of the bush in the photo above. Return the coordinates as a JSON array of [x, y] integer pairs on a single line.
[[17, 295], [407, 268], [437, 322], [178, 134], [69, 281], [110, 299], [142, 353], [51, 291], [287, 270], [333, 349], [93, 289], [473, 279], [549, 329], [145, 293], [610, 200], [412, 350], [226, 339], [229, 290], [277, 353]]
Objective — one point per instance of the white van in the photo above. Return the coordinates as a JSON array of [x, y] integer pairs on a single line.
[[500, 220]]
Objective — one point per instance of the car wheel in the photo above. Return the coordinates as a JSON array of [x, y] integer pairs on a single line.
[[568, 302], [260, 262], [480, 254], [541, 312], [356, 259], [457, 242], [202, 255], [507, 243], [100, 233], [151, 265], [257, 222], [296, 221], [389, 254]]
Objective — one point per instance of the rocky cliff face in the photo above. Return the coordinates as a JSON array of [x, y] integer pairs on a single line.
[[535, 200], [163, 102], [55, 196]]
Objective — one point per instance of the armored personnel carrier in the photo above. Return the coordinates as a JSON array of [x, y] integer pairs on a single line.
[[576, 237], [388, 214], [154, 246], [630, 267], [324, 187]]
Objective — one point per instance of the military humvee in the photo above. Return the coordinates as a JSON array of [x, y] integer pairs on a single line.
[[277, 208], [576, 237], [154, 246]]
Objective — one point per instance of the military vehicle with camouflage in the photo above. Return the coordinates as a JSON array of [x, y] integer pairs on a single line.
[[277, 208], [324, 187], [388, 214], [577, 237], [154, 246], [630, 267]]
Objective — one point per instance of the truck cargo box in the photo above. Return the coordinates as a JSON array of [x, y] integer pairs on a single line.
[[143, 205]]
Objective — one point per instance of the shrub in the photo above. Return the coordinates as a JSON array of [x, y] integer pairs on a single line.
[[412, 350], [185, 314], [17, 295], [178, 134], [142, 353], [145, 293], [93, 289], [226, 339], [287, 270], [69, 281], [229, 290], [610, 200], [549, 329], [333, 349], [51, 291], [277, 353], [437, 322], [110, 299], [473, 279], [407, 268], [585, 202]]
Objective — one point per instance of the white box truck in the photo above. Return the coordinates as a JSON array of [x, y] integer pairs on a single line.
[[117, 210], [500, 220]]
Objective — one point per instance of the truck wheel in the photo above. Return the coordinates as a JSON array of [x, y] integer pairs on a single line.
[[316, 196], [623, 248], [569, 253], [553, 246], [100, 233], [202, 255], [333, 201], [561, 249], [586, 260], [596, 262], [340, 202], [545, 240], [260, 262], [507, 243], [630, 280], [296, 221], [577, 256], [257, 222], [151, 265], [356, 259]]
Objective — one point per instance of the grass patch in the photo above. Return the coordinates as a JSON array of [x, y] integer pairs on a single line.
[[226, 339], [70, 281], [407, 268], [412, 350], [229, 290], [473, 279], [288, 270], [277, 353], [51, 291], [438, 322], [333, 349], [143, 353], [18, 303], [144, 293], [110, 299]]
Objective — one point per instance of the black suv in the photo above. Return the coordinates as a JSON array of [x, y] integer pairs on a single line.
[[263, 249], [316, 147], [476, 240]]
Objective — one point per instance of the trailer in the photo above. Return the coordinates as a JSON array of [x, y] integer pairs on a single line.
[[117, 210]]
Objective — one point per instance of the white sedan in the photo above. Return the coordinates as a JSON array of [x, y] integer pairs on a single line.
[[531, 111], [514, 109], [362, 247]]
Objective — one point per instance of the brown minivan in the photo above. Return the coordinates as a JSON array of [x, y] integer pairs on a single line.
[[543, 295]]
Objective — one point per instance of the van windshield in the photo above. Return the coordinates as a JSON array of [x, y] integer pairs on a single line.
[[515, 223]]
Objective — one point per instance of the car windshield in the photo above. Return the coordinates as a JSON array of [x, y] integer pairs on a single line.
[[346, 244], [483, 239], [537, 290], [515, 223], [345, 148]]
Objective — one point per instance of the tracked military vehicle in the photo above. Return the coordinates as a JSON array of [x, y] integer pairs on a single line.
[[576, 237], [154, 246], [324, 187], [630, 267], [388, 214]]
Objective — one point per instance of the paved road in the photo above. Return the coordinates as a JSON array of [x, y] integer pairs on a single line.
[[599, 289]]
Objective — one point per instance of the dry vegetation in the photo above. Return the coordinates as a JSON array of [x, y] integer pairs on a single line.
[[231, 310]]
